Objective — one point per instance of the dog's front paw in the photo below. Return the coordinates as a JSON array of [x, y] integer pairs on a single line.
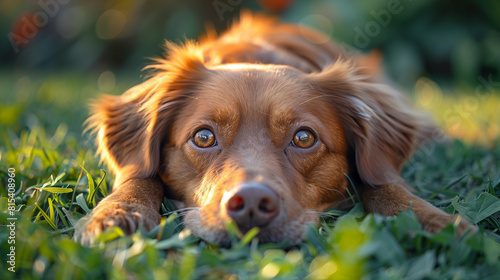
[[128, 216], [437, 222]]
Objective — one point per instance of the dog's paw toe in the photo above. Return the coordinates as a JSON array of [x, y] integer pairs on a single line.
[[438, 222], [128, 217]]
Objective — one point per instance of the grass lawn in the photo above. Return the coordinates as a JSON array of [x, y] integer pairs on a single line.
[[58, 179]]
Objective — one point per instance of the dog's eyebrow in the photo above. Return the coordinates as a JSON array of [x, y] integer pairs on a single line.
[[281, 119], [225, 116]]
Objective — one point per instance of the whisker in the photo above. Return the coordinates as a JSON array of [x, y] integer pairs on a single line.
[[310, 99], [186, 209], [183, 214], [330, 189], [314, 212], [323, 214], [181, 224]]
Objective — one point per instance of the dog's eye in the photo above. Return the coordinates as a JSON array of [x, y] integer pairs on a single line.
[[204, 138], [304, 139]]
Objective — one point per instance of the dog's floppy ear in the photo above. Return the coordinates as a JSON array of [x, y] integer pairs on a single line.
[[381, 127], [131, 127]]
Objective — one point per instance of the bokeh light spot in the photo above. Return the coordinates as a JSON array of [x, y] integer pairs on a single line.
[[110, 24], [106, 81], [428, 92], [270, 270], [39, 266], [317, 22]]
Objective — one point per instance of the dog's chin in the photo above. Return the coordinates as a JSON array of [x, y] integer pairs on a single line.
[[292, 232], [265, 235]]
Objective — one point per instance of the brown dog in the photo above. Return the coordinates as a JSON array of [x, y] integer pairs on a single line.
[[262, 126]]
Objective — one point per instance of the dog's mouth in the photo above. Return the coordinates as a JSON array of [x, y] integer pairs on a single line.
[[249, 206]]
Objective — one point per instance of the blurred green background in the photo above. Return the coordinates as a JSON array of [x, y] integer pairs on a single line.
[[57, 54]]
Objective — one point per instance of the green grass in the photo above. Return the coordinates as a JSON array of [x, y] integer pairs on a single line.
[[58, 179]]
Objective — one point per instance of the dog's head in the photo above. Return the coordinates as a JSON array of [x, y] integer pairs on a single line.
[[264, 145]]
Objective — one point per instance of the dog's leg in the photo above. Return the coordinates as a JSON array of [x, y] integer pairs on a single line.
[[390, 199], [134, 203]]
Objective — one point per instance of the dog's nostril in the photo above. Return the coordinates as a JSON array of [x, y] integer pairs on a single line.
[[253, 205], [267, 205], [235, 203]]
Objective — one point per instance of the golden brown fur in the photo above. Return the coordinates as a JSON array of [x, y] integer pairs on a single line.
[[254, 87]]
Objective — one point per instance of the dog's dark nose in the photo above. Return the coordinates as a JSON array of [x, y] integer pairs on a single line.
[[253, 205]]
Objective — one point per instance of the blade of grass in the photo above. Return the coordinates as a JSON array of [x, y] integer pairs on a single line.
[[61, 216], [71, 220], [82, 203], [454, 182], [93, 193], [355, 190], [56, 190], [74, 190], [52, 225], [51, 210], [91, 186]]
